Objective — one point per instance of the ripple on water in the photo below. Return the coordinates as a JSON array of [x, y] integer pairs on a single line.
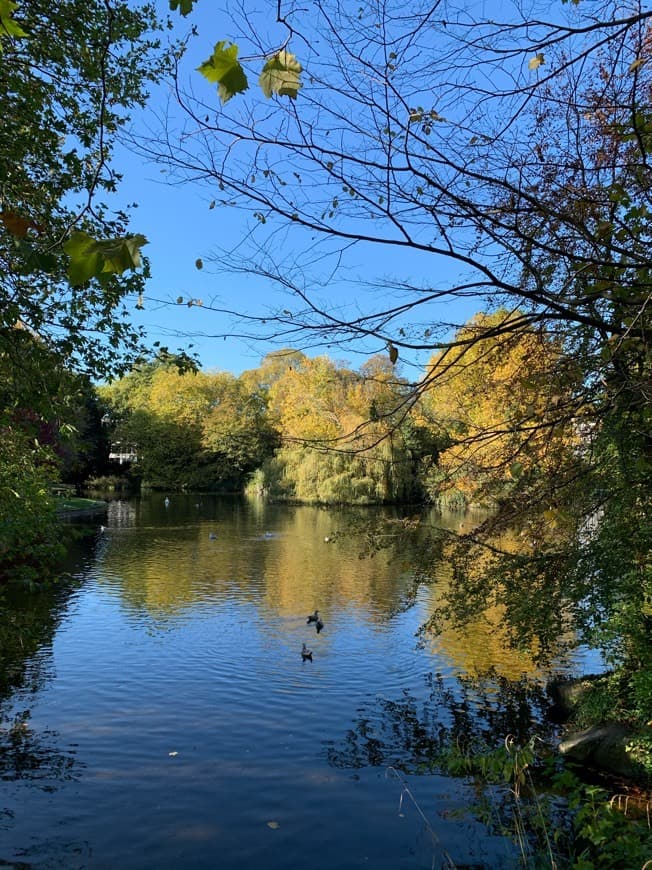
[[176, 674]]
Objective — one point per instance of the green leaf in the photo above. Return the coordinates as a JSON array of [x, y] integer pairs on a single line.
[[85, 260], [184, 6], [9, 27], [281, 75], [92, 259], [224, 69], [122, 253]]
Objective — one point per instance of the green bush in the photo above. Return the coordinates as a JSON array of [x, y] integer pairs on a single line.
[[30, 545]]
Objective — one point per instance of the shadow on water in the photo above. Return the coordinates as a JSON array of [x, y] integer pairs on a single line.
[[33, 757], [413, 735], [29, 620]]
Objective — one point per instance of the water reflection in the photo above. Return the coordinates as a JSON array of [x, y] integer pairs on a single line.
[[166, 697], [411, 733], [159, 561], [28, 754]]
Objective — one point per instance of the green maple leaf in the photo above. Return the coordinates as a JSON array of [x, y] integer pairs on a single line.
[[281, 75], [85, 259], [224, 69], [90, 258], [184, 6], [122, 253], [9, 27]]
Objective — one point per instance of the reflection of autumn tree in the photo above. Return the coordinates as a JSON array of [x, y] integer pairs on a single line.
[[170, 571], [523, 616], [482, 646]]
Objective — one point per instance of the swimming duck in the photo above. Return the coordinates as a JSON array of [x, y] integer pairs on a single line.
[[314, 617], [319, 625], [306, 653], [212, 536]]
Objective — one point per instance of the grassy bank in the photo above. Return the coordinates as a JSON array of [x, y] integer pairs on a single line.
[[72, 505]]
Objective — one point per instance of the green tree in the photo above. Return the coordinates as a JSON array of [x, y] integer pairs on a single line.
[[50, 428], [68, 85], [237, 427], [71, 75]]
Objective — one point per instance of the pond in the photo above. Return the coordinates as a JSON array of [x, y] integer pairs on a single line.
[[161, 714]]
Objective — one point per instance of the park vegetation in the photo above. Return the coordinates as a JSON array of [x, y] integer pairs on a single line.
[[512, 157]]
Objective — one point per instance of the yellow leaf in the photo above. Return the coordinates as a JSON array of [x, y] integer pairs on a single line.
[[637, 64], [536, 61]]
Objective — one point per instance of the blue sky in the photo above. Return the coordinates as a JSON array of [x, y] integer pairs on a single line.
[[181, 228]]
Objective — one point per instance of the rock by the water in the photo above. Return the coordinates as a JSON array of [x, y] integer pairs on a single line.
[[566, 693], [603, 747]]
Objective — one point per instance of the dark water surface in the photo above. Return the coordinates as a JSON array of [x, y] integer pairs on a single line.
[[161, 715]]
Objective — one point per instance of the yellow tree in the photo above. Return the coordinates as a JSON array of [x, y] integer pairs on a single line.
[[161, 413], [309, 401], [502, 398], [342, 431], [183, 398]]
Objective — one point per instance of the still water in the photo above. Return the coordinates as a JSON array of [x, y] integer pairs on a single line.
[[162, 715]]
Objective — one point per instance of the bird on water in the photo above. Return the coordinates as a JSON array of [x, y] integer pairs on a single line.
[[314, 617], [306, 653]]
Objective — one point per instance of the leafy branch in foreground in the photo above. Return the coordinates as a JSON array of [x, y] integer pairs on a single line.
[[68, 86], [8, 25], [90, 258], [72, 73]]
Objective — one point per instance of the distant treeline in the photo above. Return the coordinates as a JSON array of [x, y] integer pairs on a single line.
[[312, 430]]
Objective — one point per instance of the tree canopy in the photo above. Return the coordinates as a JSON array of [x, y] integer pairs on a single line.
[[72, 73]]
